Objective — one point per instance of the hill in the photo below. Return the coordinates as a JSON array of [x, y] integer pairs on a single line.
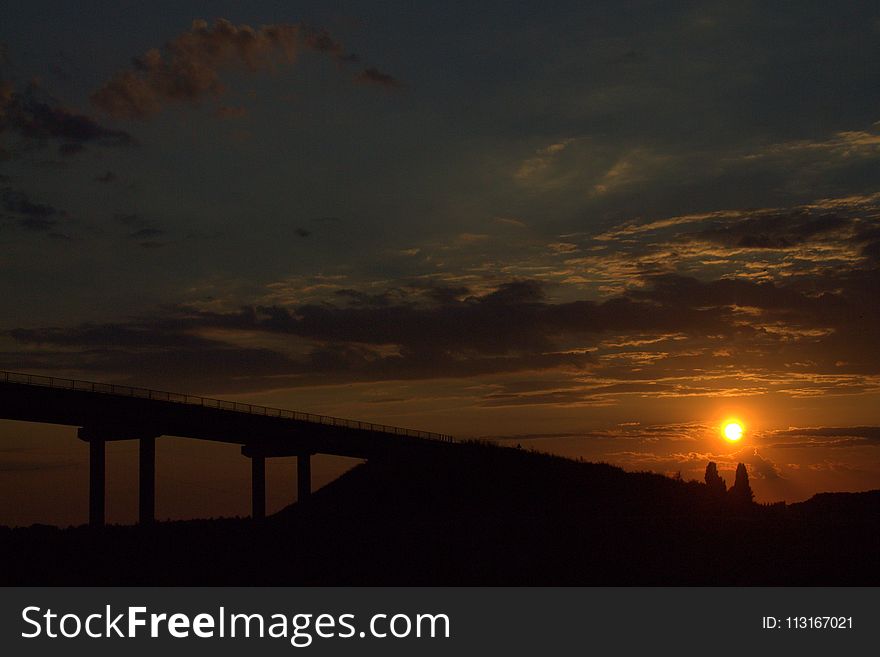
[[478, 515]]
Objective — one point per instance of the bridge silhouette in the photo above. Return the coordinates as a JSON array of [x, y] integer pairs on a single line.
[[106, 412]]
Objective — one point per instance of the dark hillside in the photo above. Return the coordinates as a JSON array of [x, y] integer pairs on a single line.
[[479, 515]]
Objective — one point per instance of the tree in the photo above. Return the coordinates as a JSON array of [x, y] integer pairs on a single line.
[[714, 481], [741, 492]]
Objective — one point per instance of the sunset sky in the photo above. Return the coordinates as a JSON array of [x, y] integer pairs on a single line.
[[598, 229]]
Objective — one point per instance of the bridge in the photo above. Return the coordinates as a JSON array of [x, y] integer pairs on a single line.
[[107, 412]]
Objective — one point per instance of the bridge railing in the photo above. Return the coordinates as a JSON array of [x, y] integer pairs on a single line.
[[209, 402]]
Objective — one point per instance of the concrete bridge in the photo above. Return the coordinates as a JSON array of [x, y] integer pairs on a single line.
[[105, 412]]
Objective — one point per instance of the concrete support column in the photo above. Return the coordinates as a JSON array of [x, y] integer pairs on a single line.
[[97, 476], [258, 487], [147, 481], [303, 477]]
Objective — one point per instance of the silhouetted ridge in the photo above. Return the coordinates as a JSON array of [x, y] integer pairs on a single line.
[[479, 514], [841, 504]]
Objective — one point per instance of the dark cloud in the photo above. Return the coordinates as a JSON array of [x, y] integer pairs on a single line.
[[663, 334], [553, 397], [833, 235], [322, 41], [448, 294], [30, 215], [147, 233], [189, 68], [377, 77], [775, 230], [107, 177], [195, 363], [38, 118], [759, 466], [134, 335], [827, 437], [18, 202], [398, 336], [37, 224], [129, 219], [303, 232], [228, 113], [71, 148], [682, 291], [194, 367], [59, 72], [359, 298], [143, 231]]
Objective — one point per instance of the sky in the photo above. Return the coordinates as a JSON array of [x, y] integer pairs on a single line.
[[598, 229]]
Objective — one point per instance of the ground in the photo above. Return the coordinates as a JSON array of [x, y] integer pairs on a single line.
[[480, 515]]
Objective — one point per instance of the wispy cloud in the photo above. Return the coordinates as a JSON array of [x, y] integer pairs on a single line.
[[189, 67], [544, 157]]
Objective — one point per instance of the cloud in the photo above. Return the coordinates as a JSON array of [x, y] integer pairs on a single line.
[[543, 158], [843, 144], [129, 219], [191, 64], [795, 247], [683, 291], [685, 317], [28, 214], [471, 238], [630, 228], [827, 437], [19, 203], [429, 333], [776, 230], [141, 230], [147, 233], [38, 118], [562, 247], [759, 466], [510, 221], [228, 113], [635, 166], [377, 77]]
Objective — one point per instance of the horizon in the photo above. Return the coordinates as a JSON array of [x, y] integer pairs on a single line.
[[605, 232]]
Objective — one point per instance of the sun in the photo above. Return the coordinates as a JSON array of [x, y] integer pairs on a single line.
[[733, 431]]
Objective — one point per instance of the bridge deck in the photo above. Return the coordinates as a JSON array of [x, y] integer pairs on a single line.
[[123, 412]]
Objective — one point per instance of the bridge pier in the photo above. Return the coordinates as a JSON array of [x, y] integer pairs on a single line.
[[258, 487], [303, 477], [97, 476], [97, 437], [147, 481]]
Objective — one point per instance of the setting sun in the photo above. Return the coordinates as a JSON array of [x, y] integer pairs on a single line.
[[733, 431]]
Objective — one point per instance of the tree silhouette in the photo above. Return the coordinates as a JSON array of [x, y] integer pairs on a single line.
[[741, 492], [714, 481]]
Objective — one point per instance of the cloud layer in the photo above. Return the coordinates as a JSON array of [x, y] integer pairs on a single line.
[[746, 303], [35, 117], [189, 67]]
